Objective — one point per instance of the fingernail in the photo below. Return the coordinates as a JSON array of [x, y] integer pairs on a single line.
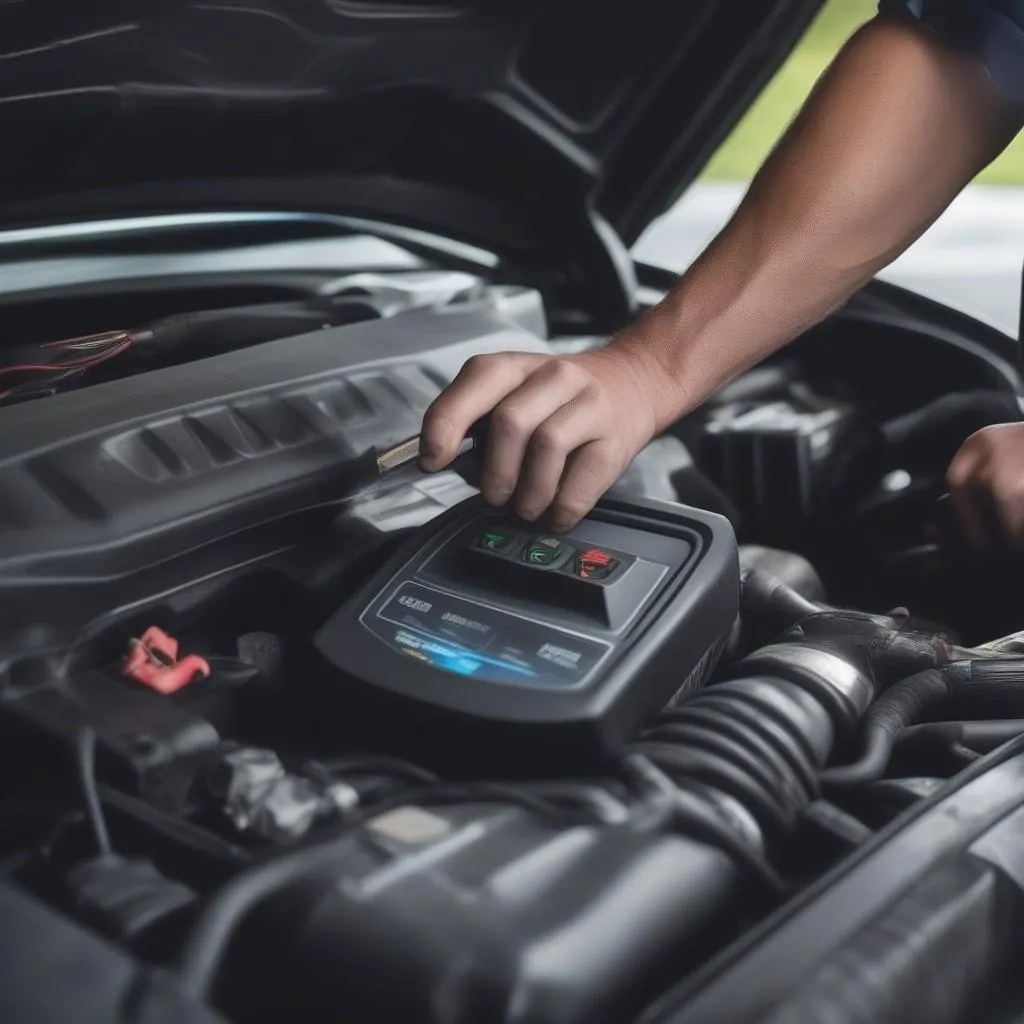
[[496, 498]]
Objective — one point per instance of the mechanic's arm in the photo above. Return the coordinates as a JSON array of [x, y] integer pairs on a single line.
[[894, 130]]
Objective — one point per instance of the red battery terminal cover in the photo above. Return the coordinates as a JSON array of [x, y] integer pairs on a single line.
[[152, 660]]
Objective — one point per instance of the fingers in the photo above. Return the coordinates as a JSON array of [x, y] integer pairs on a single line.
[[480, 385], [591, 471], [964, 493], [552, 445], [532, 418], [986, 480], [560, 431], [1008, 496]]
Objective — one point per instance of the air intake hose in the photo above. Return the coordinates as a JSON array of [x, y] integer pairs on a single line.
[[764, 735], [990, 687], [774, 613], [861, 654], [768, 606], [760, 741]]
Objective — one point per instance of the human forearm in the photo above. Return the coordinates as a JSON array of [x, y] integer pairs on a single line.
[[895, 129], [893, 132]]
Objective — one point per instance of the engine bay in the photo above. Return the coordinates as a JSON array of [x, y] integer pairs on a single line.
[[742, 746]]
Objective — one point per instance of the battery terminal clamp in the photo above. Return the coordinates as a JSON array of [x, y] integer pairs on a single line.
[[152, 660]]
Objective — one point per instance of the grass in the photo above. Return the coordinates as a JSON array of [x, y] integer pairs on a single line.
[[749, 144]]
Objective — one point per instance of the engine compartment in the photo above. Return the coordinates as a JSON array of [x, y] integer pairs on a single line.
[[825, 792]]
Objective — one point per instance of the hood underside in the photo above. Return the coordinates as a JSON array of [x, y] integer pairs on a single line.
[[549, 132]]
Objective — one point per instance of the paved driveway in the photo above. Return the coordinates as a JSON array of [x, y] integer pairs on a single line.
[[971, 258]]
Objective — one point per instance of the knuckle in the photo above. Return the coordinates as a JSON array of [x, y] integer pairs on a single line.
[[965, 472], [436, 432], [566, 372], [956, 475], [528, 510], [1008, 486], [436, 420], [971, 448], [508, 421], [986, 439], [478, 364], [549, 438], [605, 466], [991, 432], [570, 510]]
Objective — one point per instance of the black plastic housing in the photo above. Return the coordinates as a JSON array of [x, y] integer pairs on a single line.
[[103, 481], [53, 970], [98, 486], [781, 461], [146, 743], [469, 913], [651, 653], [913, 927]]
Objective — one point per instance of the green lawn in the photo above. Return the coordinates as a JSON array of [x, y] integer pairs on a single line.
[[741, 155]]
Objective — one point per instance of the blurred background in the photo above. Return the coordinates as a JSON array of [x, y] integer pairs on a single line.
[[970, 258]]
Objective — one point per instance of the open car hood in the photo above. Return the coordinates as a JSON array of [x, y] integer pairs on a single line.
[[549, 133]]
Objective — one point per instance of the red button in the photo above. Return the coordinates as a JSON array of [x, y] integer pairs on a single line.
[[595, 564]]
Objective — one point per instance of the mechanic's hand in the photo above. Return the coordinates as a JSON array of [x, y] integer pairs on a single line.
[[562, 429], [986, 482]]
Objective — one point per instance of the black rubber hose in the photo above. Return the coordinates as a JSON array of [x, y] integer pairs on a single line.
[[873, 643], [983, 737], [844, 659], [761, 741], [85, 758], [768, 607], [693, 816], [375, 764], [994, 686], [748, 724], [773, 612], [794, 570], [766, 598]]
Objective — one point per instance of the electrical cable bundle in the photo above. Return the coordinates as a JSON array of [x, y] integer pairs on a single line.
[[31, 371]]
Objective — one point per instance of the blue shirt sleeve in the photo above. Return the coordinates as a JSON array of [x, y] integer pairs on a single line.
[[992, 30]]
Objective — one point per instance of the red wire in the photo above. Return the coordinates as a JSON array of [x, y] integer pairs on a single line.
[[65, 370], [88, 339], [83, 362]]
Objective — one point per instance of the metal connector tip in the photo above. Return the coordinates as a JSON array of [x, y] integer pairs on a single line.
[[398, 455]]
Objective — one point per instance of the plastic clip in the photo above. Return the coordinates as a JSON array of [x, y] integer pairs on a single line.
[[152, 660]]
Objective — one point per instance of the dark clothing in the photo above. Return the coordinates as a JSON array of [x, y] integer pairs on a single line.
[[992, 30]]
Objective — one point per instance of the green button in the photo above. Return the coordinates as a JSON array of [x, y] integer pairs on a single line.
[[496, 539], [544, 551]]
